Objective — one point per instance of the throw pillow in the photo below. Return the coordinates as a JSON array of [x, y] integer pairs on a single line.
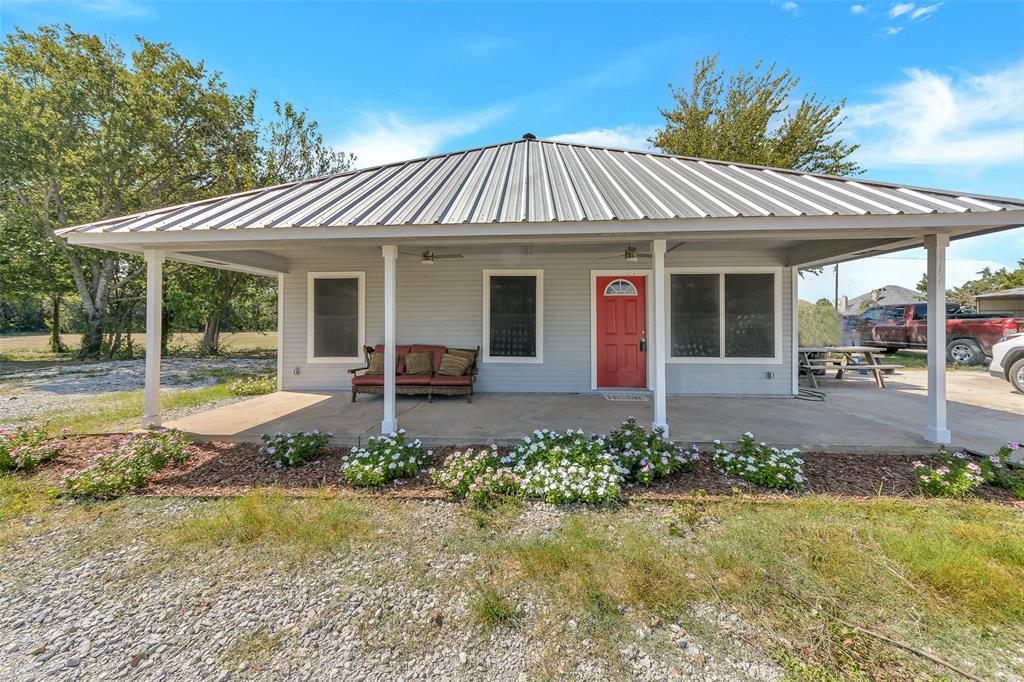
[[376, 365], [453, 365], [419, 363], [462, 353]]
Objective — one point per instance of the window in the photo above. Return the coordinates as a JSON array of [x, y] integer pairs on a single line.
[[725, 316], [513, 315], [897, 313], [921, 311], [620, 287], [335, 316], [872, 314]]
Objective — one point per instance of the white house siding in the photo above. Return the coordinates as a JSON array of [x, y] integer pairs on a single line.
[[443, 304]]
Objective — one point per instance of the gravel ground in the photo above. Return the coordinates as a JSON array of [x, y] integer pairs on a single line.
[[74, 607], [37, 391]]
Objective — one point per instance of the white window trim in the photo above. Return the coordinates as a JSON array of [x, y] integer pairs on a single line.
[[539, 358], [594, 274], [360, 334], [776, 358]]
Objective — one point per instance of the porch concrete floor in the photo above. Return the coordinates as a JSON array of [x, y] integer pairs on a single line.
[[984, 413]]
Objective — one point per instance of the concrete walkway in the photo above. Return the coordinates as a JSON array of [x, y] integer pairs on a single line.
[[855, 417]]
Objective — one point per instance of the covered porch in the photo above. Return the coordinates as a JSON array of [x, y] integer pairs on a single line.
[[855, 417]]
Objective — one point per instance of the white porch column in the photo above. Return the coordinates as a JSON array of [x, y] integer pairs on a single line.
[[660, 335], [390, 422], [280, 331], [937, 431], [154, 313]]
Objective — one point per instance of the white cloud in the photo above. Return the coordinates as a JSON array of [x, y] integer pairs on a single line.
[[384, 138], [925, 11], [933, 118], [625, 137], [900, 8], [892, 30], [790, 6], [858, 9]]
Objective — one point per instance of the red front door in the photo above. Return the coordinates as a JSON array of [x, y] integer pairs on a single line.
[[621, 332]]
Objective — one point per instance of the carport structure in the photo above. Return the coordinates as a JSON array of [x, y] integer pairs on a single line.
[[575, 268]]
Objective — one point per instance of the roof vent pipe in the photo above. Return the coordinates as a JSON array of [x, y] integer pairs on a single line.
[[529, 136]]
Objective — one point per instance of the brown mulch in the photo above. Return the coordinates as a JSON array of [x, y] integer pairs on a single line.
[[221, 469]]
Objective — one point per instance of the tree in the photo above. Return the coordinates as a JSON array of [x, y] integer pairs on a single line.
[[87, 133], [987, 282], [820, 324], [748, 120], [291, 148]]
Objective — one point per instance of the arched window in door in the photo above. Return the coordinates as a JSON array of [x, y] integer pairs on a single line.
[[620, 287]]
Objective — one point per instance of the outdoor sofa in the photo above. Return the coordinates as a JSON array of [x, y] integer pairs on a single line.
[[428, 379]]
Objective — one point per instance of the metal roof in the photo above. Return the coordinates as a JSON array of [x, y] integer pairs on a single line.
[[1005, 293], [540, 181]]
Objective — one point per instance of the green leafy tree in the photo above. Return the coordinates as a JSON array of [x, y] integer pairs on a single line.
[[88, 133], [988, 280], [747, 118], [820, 323]]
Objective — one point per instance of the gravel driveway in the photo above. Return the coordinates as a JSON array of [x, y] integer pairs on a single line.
[[37, 391], [102, 599]]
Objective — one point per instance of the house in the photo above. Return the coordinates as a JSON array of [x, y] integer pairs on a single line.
[[890, 294], [576, 268], [1006, 301]]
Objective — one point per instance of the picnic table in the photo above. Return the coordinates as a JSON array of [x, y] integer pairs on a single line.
[[810, 361]]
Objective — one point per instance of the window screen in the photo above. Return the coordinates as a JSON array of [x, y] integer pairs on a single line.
[[695, 316], [336, 318], [749, 315], [513, 322]]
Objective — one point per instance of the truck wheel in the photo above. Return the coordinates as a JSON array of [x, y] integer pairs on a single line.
[[964, 352], [1017, 375]]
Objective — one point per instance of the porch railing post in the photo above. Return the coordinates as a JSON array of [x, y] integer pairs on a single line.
[[937, 430], [390, 422], [154, 313], [660, 334]]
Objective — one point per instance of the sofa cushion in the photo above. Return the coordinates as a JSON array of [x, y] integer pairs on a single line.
[[412, 380], [418, 363], [440, 380], [375, 364], [453, 365], [436, 351], [368, 380], [468, 353], [400, 352]]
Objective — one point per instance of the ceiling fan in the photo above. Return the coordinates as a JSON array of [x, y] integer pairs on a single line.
[[632, 254], [428, 257]]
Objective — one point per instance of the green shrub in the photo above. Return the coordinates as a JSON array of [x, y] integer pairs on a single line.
[[996, 471], [761, 464], [290, 449], [384, 458], [955, 476], [26, 447], [126, 463], [254, 385], [477, 475], [647, 454]]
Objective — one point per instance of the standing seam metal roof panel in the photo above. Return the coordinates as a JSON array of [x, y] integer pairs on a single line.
[[539, 181]]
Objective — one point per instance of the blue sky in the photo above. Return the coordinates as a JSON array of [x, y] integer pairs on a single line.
[[935, 90]]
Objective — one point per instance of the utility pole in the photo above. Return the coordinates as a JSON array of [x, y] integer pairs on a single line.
[[835, 299]]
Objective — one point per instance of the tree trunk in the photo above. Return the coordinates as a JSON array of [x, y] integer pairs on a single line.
[[56, 344], [210, 345]]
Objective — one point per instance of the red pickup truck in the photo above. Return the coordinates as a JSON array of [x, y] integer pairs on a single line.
[[969, 336]]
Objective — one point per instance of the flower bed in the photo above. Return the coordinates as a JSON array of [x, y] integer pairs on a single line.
[[761, 464], [260, 384], [25, 447], [384, 459], [291, 449], [126, 463], [566, 467]]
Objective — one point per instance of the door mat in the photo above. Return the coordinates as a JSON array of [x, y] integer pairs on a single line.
[[626, 397]]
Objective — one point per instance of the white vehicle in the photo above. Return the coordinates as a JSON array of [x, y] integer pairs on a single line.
[[1008, 360]]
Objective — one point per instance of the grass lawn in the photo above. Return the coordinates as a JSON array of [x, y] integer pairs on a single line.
[[911, 359], [814, 580], [27, 347]]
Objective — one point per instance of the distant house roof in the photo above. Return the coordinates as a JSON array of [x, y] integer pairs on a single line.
[[890, 294], [539, 181], [1005, 293]]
